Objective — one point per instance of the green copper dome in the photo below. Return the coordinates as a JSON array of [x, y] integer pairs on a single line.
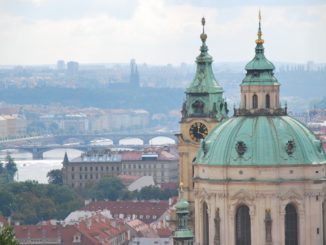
[[182, 205], [261, 140]]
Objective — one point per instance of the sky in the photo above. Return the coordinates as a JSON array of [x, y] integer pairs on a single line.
[[34, 32]]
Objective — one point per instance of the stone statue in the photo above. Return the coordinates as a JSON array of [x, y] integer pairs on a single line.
[[268, 227], [217, 220]]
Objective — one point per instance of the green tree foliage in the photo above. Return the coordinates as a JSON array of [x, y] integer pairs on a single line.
[[30, 202], [110, 188], [10, 166], [55, 177], [7, 236], [7, 170], [154, 192]]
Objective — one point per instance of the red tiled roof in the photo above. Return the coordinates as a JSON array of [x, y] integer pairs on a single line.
[[95, 230], [164, 232], [3, 219], [68, 233], [131, 155], [37, 231], [150, 211], [169, 185]]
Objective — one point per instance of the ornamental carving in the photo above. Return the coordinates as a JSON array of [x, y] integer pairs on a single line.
[[241, 148], [243, 195], [290, 195], [290, 147]]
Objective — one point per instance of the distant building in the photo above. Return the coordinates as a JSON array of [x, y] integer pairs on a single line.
[[126, 119], [160, 164], [61, 65], [72, 68], [134, 76], [12, 125], [92, 166]]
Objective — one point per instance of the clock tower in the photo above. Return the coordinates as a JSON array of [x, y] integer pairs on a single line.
[[203, 108]]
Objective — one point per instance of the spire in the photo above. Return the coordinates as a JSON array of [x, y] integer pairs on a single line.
[[204, 83], [65, 158], [182, 234], [259, 34]]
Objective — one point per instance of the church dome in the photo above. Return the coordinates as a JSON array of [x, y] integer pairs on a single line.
[[261, 140]]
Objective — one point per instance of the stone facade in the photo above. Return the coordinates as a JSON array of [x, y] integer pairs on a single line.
[[261, 189], [92, 166]]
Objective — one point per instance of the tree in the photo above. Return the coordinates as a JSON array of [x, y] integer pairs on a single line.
[[7, 236], [109, 188], [55, 177], [6, 202], [10, 167], [2, 169]]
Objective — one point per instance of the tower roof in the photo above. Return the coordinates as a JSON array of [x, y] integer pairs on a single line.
[[204, 81], [259, 69]]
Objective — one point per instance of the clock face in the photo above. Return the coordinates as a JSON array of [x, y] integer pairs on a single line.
[[198, 131]]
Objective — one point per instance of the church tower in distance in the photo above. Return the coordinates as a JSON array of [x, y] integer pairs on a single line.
[[202, 110]]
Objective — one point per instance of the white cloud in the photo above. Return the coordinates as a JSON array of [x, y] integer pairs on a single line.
[[162, 33]]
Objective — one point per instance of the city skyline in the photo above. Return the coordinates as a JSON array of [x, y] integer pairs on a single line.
[[158, 32]]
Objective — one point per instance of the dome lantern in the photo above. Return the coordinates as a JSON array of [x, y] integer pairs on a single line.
[[260, 88]]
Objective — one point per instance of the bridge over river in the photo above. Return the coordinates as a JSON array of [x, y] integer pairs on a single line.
[[83, 142]]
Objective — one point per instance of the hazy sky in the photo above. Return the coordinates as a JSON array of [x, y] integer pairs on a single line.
[[158, 31]]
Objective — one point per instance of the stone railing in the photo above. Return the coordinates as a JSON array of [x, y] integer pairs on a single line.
[[260, 112]]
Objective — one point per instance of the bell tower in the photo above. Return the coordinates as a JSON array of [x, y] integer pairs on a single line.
[[203, 108]]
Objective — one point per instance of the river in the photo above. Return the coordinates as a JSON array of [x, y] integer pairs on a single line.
[[29, 169]]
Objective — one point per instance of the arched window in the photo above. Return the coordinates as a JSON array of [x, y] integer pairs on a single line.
[[205, 225], [242, 226], [198, 107], [291, 225], [255, 101], [267, 101]]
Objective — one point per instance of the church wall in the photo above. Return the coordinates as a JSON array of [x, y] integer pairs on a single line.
[[259, 197], [261, 173]]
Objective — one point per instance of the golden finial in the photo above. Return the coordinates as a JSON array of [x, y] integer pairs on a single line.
[[203, 36], [259, 34]]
